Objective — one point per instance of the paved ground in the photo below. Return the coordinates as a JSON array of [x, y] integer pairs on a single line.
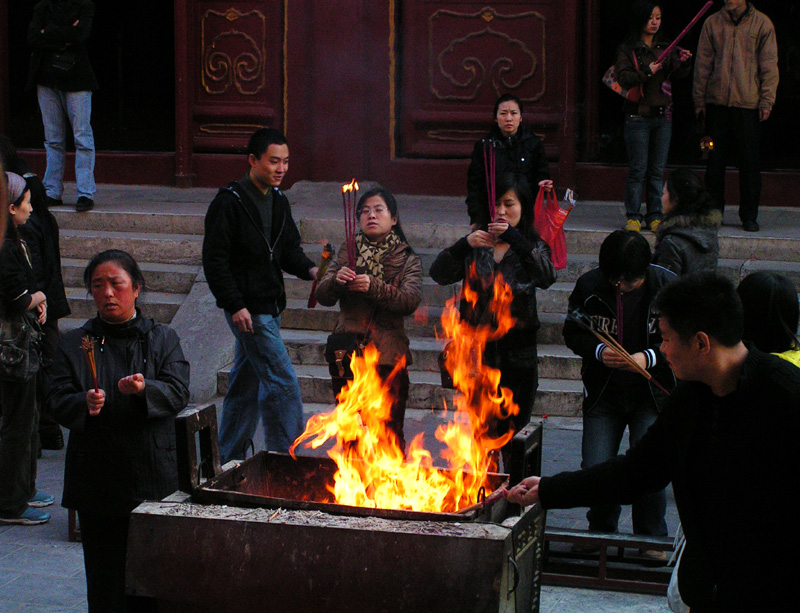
[[40, 571]]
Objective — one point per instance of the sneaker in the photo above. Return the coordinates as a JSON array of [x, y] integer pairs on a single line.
[[40, 499], [31, 517], [633, 225], [84, 204], [653, 225], [750, 226]]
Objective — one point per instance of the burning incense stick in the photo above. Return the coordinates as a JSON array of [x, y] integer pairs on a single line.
[[349, 200], [685, 31], [327, 255], [87, 345], [604, 337]]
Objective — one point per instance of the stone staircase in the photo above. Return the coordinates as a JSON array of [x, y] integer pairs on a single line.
[[168, 246]]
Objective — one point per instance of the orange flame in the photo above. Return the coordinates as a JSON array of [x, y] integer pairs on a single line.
[[372, 470], [349, 187]]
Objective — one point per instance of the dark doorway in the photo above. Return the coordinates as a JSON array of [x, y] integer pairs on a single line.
[[132, 53], [780, 133]]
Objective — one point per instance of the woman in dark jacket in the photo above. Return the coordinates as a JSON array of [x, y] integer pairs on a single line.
[[686, 241], [648, 121], [19, 501], [510, 246], [516, 149], [375, 298], [121, 448]]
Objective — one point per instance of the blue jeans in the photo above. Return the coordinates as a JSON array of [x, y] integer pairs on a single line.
[[647, 141], [57, 107], [603, 427], [262, 384]]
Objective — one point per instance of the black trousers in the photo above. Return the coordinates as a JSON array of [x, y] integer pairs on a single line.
[[105, 545], [18, 445], [737, 138]]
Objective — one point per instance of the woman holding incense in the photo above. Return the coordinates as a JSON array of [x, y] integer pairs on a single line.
[[509, 246], [615, 299], [509, 147], [117, 384], [20, 502], [648, 121], [375, 294], [686, 240]]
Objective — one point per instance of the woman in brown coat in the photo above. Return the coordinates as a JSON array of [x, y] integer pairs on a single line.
[[377, 295]]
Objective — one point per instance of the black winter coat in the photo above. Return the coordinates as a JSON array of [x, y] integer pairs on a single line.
[[525, 266], [126, 454], [16, 276], [521, 154], [688, 243], [243, 269], [61, 26], [741, 541], [595, 296]]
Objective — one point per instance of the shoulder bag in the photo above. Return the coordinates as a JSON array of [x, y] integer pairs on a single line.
[[20, 352]]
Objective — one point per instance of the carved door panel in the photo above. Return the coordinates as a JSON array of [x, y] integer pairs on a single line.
[[456, 58], [234, 64]]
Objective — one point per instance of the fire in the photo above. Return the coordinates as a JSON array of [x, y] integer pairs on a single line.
[[372, 470]]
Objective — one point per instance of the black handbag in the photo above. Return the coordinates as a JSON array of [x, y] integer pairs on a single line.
[[20, 351], [339, 350]]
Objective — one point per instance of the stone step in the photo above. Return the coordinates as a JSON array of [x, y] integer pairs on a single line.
[[560, 397], [307, 347], [127, 221], [423, 323], [169, 278], [171, 248], [159, 306]]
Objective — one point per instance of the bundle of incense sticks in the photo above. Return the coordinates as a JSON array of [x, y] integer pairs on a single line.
[[87, 345], [490, 165], [327, 255], [685, 31], [585, 322], [349, 200]]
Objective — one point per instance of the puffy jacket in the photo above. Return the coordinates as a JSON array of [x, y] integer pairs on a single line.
[[385, 305], [688, 243], [521, 154], [736, 65], [61, 26], [125, 454], [595, 296], [242, 267]]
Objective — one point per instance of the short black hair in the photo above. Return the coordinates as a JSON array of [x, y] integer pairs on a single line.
[[702, 302], [689, 194], [771, 311], [507, 98], [262, 139], [122, 258], [522, 188], [624, 255]]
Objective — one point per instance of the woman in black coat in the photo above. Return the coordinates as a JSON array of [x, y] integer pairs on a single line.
[[511, 247], [121, 448], [517, 150]]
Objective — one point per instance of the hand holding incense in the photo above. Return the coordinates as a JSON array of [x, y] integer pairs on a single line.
[[327, 256], [87, 344]]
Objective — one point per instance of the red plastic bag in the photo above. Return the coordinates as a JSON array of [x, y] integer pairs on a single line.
[[549, 223]]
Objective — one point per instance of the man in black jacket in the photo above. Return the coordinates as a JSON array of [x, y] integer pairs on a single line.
[[250, 238], [64, 79], [727, 440]]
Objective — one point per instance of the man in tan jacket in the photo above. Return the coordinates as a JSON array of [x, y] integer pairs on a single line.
[[735, 80]]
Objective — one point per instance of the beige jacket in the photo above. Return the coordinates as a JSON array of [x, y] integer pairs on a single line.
[[736, 65]]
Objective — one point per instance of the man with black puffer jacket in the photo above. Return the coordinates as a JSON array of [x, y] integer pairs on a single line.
[[250, 238]]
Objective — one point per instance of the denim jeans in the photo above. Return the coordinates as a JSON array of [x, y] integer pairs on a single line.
[[262, 384], [737, 134], [57, 107], [603, 427], [647, 141]]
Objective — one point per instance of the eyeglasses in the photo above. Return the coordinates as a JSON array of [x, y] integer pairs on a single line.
[[378, 210]]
